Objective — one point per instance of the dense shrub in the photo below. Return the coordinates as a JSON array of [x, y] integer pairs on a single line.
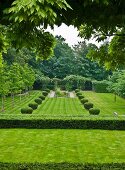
[[78, 93], [88, 105], [45, 93], [77, 90], [42, 97], [38, 101], [100, 86], [27, 110], [47, 90], [83, 100], [33, 105], [94, 111], [74, 81], [81, 97]]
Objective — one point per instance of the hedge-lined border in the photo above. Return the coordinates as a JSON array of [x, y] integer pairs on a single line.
[[64, 124], [61, 166]]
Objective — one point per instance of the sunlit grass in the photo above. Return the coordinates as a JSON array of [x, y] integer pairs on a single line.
[[36, 145], [105, 102]]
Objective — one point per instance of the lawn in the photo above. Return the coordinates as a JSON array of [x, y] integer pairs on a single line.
[[105, 102], [78, 146], [61, 107], [26, 99]]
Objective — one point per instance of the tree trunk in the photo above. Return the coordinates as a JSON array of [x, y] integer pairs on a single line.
[[3, 104], [20, 96], [12, 96], [115, 97]]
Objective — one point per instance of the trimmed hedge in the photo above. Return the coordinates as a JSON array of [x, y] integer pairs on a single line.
[[45, 93], [47, 90], [88, 105], [33, 105], [42, 97], [81, 97], [78, 93], [62, 166], [84, 100], [100, 86], [38, 101], [77, 90], [94, 111], [64, 124], [27, 110]]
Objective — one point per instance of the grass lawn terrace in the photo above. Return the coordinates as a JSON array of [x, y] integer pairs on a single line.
[[105, 102], [78, 146]]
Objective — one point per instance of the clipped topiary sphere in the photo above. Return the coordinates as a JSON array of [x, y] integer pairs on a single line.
[[81, 97], [27, 110], [33, 105], [47, 90], [77, 90], [94, 111], [83, 100], [78, 93], [38, 101], [88, 105], [45, 93], [42, 97]]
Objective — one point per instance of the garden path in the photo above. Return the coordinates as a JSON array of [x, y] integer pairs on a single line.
[[51, 94], [71, 95]]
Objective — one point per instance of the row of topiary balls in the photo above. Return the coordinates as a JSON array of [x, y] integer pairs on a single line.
[[87, 105], [34, 105]]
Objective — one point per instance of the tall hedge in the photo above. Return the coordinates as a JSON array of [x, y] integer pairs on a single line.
[[100, 86]]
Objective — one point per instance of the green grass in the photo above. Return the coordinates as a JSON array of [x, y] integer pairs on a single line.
[[105, 102], [93, 146], [61, 107], [19, 104]]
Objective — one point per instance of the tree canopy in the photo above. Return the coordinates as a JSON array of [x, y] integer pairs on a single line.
[[24, 21]]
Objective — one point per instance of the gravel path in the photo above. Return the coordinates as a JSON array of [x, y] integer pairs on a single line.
[[71, 95], [51, 94]]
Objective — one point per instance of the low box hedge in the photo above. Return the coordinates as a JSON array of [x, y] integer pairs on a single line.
[[62, 166], [88, 105], [94, 111], [38, 101], [33, 105], [27, 110], [42, 97], [64, 124]]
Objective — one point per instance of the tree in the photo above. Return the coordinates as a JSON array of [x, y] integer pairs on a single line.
[[4, 84], [28, 77], [117, 84], [23, 21], [15, 79]]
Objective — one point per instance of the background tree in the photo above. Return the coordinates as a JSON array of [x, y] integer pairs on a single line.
[[4, 84]]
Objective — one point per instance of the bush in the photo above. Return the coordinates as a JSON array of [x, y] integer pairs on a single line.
[[81, 97], [47, 90], [42, 97], [78, 93], [27, 110], [33, 105], [83, 100], [88, 105], [45, 93], [77, 90], [38, 101], [93, 111]]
